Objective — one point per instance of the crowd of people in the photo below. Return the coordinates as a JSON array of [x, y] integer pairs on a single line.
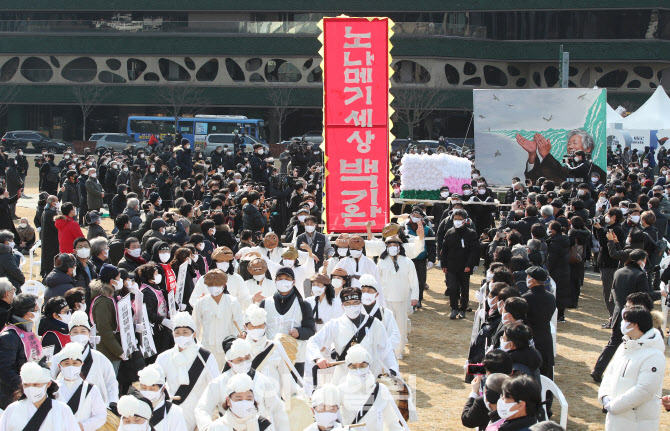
[[242, 310]]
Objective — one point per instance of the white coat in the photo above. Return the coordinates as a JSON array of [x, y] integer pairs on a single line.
[[413, 248], [633, 380], [267, 288], [327, 312], [365, 266], [228, 422], [382, 416], [274, 366], [173, 421], [92, 412], [214, 322], [389, 322], [18, 413], [236, 286]]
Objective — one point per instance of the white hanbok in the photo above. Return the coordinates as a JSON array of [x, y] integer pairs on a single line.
[[389, 322], [228, 422], [176, 365], [267, 288], [414, 247], [274, 365], [301, 272], [275, 254], [235, 285], [382, 416], [173, 421], [19, 413], [91, 411], [214, 322], [365, 266], [327, 312]]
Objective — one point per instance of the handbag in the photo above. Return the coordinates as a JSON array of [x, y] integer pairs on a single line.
[[576, 254]]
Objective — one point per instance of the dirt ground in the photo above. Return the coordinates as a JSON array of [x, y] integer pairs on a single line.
[[438, 347]]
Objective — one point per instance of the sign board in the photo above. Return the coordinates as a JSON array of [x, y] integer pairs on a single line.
[[356, 122], [181, 281], [126, 325], [172, 305], [148, 346]]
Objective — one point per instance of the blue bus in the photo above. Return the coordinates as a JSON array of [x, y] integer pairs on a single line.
[[195, 129]]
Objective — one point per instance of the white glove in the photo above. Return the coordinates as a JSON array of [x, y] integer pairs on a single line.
[[182, 307], [430, 265], [168, 324]]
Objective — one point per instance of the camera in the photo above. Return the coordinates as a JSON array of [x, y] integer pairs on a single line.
[[600, 220], [476, 369]]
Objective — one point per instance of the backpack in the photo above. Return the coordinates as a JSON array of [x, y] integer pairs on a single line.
[[53, 175], [660, 247]]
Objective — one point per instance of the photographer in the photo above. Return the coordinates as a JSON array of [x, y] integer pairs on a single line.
[[252, 218], [259, 166], [523, 225], [607, 264]]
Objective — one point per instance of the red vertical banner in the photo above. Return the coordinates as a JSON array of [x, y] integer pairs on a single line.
[[356, 122]]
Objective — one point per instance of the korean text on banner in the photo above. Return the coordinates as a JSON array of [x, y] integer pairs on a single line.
[[356, 122], [126, 326], [181, 281]]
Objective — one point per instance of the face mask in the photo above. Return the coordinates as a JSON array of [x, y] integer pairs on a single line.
[[260, 152], [211, 232], [352, 311], [241, 368], [256, 334], [310, 229], [642, 265], [23, 225], [242, 409], [458, 223], [393, 251], [302, 218], [635, 218], [35, 394], [152, 396], [223, 266], [645, 164], [578, 159], [481, 192], [136, 252], [80, 338], [118, 284], [325, 419], [215, 290], [549, 232], [84, 253], [475, 176], [164, 257], [368, 298], [259, 277], [504, 346], [504, 408], [624, 211], [342, 251], [201, 246], [467, 192], [183, 342], [65, 318], [238, 180], [359, 374], [607, 219], [625, 328], [318, 290], [93, 175], [490, 302], [152, 170], [337, 282], [158, 278], [415, 219], [356, 253], [444, 194], [125, 169], [284, 285], [70, 373], [602, 199], [288, 262]]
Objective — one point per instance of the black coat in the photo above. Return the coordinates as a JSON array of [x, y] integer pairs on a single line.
[[13, 179], [478, 348], [9, 267], [70, 194], [661, 222], [57, 283], [252, 219], [48, 323], [627, 280], [559, 268], [460, 249], [518, 424], [162, 335], [82, 279], [604, 258], [4, 311], [541, 308], [475, 414], [12, 358], [50, 244]]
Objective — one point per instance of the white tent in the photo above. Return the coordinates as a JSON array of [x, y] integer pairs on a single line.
[[613, 116], [653, 115]]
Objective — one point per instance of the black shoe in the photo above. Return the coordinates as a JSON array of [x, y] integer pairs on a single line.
[[469, 310], [561, 320], [453, 314], [596, 377], [607, 325], [461, 314], [419, 305]]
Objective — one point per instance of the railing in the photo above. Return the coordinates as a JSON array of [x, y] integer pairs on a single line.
[[279, 28]]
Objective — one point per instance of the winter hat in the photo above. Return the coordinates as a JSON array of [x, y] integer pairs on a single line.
[[327, 394], [65, 261], [32, 372], [255, 315], [216, 277], [79, 318], [129, 406], [357, 355], [184, 320], [71, 350], [237, 348], [108, 272], [153, 197], [152, 375], [158, 223], [369, 281], [538, 273], [92, 217], [286, 271], [239, 383]]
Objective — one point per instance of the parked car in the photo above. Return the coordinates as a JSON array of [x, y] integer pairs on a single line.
[[32, 141], [113, 141], [314, 137], [225, 140]]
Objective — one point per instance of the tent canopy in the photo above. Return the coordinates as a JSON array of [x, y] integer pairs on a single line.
[[653, 115], [613, 116]]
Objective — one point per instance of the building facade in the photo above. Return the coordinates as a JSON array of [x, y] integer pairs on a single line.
[[236, 54]]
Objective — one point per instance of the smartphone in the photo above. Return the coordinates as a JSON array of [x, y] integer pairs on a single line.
[[476, 369]]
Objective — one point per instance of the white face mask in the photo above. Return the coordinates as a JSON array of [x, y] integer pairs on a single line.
[[458, 223], [342, 251], [125, 169], [549, 232], [302, 218], [325, 419], [137, 252], [241, 368], [444, 194], [211, 232], [284, 285], [223, 266], [356, 253], [504, 346], [158, 278], [93, 175], [625, 327], [624, 211], [318, 290], [393, 251], [215, 290], [608, 219], [183, 342], [491, 302], [368, 298], [504, 408], [310, 229], [352, 311], [243, 409], [504, 317], [359, 374], [256, 334], [35, 394], [260, 152], [635, 218], [288, 262], [481, 191], [82, 306], [118, 284], [336, 282], [201, 246], [594, 179], [23, 225], [70, 373], [259, 277], [467, 192], [152, 396], [80, 338], [164, 257], [65, 318], [415, 219]]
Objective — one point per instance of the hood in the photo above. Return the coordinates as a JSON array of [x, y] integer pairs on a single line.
[[582, 234], [121, 188], [57, 278], [99, 288], [154, 250], [657, 318], [651, 339], [5, 249]]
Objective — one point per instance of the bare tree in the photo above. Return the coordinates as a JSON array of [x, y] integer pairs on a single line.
[[281, 99], [180, 98], [88, 97], [413, 104]]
